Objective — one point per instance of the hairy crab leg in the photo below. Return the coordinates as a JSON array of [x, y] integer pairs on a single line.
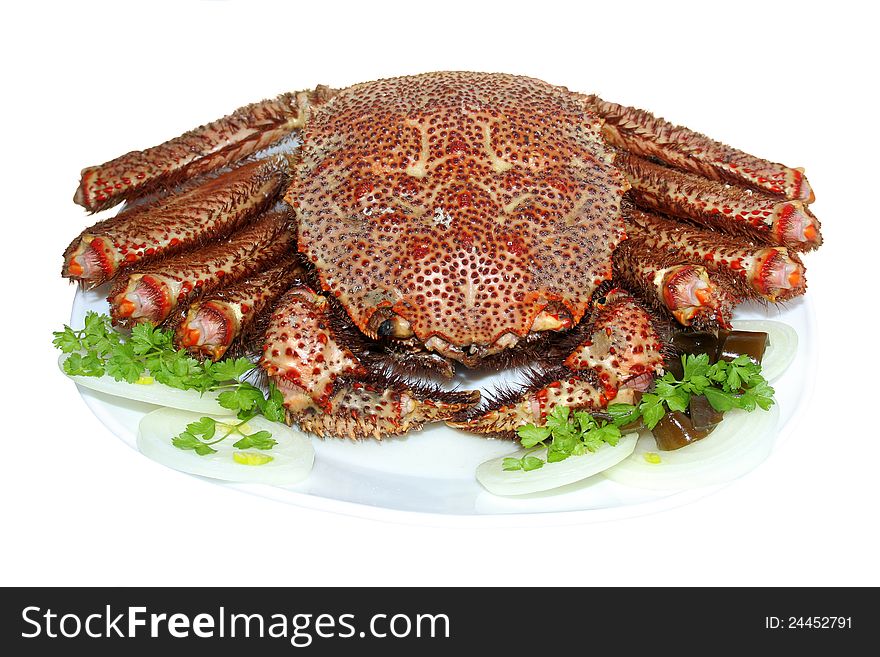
[[328, 391], [222, 142], [737, 211], [214, 322], [617, 353], [770, 272], [640, 132], [152, 293], [669, 282], [178, 223]]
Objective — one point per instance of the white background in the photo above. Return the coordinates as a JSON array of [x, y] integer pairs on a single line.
[[84, 82]]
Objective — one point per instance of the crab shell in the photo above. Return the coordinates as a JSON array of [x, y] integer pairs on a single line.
[[464, 209]]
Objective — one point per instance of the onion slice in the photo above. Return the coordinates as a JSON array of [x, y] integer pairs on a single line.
[[736, 446], [782, 344], [152, 393], [499, 481], [292, 457]]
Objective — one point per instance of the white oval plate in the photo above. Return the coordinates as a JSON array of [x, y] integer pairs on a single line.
[[428, 476]]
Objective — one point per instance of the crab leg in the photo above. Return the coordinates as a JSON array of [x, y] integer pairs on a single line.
[[222, 142], [217, 320], [618, 352], [751, 214], [151, 294], [328, 391], [181, 222], [771, 272], [640, 132], [670, 283]]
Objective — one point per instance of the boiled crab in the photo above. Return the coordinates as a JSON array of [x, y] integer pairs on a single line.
[[479, 219]]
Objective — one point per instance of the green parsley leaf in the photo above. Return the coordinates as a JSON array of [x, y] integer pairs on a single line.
[[258, 440], [244, 397], [531, 463], [719, 399], [558, 417], [123, 366], [511, 463], [188, 441], [92, 365], [555, 455], [623, 414], [273, 408], [585, 421], [67, 341], [530, 435], [204, 427], [230, 370], [651, 408], [72, 365]]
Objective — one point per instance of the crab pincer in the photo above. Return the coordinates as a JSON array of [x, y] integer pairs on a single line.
[[615, 353], [329, 390]]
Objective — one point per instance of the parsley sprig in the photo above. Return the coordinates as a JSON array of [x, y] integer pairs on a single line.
[[725, 384], [98, 349], [199, 436], [564, 434]]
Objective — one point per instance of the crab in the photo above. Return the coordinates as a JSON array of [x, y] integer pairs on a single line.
[[468, 219]]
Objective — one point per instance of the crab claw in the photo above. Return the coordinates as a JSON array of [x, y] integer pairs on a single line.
[[532, 405], [616, 353], [358, 410], [326, 387]]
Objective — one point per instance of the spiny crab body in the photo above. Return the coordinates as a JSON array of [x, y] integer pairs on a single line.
[[448, 218]]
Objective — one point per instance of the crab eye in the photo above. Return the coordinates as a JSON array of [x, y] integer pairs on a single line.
[[601, 301]]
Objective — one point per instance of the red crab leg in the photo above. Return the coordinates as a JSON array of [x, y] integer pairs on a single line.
[[178, 223], [619, 352], [214, 322], [685, 290], [771, 272], [227, 140], [326, 388], [151, 294], [642, 133], [751, 214]]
